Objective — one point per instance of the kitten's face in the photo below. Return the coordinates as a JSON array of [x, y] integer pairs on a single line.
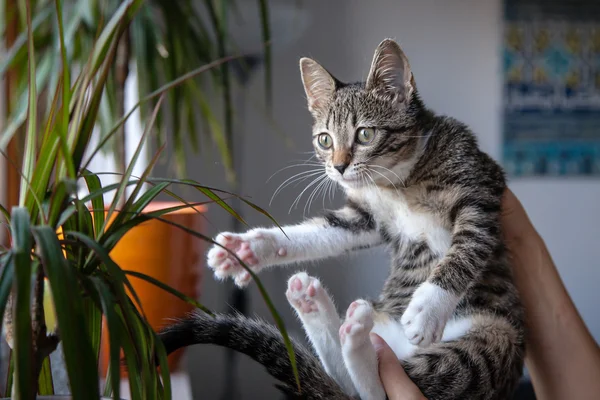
[[365, 134]]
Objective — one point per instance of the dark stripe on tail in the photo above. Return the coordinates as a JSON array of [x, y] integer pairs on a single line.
[[262, 342]]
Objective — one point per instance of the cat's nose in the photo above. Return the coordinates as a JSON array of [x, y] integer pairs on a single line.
[[341, 168]]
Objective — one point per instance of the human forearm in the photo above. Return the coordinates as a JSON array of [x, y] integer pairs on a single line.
[[562, 356]]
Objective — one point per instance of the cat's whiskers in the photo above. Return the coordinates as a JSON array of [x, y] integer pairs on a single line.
[[371, 178], [313, 182], [313, 195], [389, 170], [299, 177], [389, 180], [304, 164]]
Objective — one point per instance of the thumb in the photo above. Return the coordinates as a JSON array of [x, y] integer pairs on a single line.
[[396, 383]]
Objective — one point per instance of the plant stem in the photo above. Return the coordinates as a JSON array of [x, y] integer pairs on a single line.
[[121, 74]]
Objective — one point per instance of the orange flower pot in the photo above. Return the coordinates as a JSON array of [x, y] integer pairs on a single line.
[[169, 255]]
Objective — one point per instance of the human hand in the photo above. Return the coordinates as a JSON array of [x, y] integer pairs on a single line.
[[396, 383]]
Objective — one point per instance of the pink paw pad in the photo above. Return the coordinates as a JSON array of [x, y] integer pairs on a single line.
[[301, 293], [353, 306]]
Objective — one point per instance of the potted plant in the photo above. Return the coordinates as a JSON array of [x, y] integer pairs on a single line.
[[58, 280], [165, 40]]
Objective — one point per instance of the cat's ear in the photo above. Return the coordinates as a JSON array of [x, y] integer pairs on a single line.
[[390, 75], [319, 84]]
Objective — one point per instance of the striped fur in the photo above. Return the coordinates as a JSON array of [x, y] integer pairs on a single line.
[[422, 188]]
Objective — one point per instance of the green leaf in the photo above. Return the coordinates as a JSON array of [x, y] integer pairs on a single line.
[[66, 99], [169, 289], [104, 189], [152, 193], [23, 352], [93, 317], [262, 290], [94, 185], [6, 281], [213, 196], [153, 95], [146, 198], [219, 30], [78, 352], [130, 351], [120, 19], [65, 215], [45, 383], [114, 270], [216, 131], [60, 196], [30, 140], [108, 303], [164, 366], [8, 59], [129, 171]]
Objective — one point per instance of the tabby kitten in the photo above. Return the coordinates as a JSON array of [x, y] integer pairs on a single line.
[[418, 184]]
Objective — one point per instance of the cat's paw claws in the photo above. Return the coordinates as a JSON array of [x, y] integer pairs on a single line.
[[359, 322], [427, 314]]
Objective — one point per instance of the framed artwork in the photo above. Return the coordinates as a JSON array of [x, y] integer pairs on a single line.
[[551, 88]]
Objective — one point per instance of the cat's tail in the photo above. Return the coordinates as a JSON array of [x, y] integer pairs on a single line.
[[262, 342]]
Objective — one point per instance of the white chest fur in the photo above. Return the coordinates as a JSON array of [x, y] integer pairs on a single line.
[[391, 209]]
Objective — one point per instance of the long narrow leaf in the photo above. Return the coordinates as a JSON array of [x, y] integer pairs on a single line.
[[115, 271], [262, 290], [30, 141], [154, 95], [129, 170], [22, 245], [9, 56], [78, 352], [66, 99], [108, 303], [45, 383], [169, 289], [93, 317], [94, 186], [6, 281]]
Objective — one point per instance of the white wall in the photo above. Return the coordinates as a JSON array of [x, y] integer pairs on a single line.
[[454, 49]]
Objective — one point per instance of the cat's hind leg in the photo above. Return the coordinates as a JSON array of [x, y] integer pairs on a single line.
[[358, 352], [321, 322]]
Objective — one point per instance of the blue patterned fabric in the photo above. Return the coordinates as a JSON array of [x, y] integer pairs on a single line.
[[551, 72]]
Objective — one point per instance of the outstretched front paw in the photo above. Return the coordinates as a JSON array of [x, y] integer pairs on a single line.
[[257, 249], [427, 314]]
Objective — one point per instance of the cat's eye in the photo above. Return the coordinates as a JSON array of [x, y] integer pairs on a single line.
[[325, 140], [365, 135]]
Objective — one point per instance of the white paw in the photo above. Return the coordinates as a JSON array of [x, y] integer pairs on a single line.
[[427, 314], [257, 249], [306, 294], [354, 332]]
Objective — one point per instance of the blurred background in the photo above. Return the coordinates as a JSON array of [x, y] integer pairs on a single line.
[[525, 76]]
